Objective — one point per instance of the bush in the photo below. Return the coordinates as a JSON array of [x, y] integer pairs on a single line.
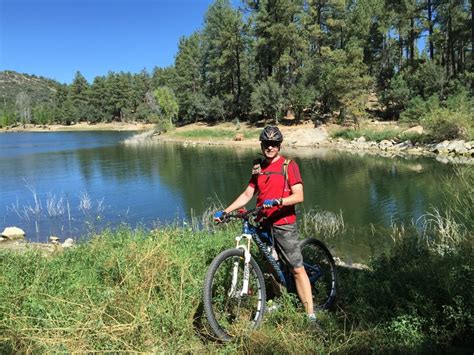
[[444, 123], [417, 108]]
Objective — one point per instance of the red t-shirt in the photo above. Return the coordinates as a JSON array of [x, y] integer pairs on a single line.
[[273, 185]]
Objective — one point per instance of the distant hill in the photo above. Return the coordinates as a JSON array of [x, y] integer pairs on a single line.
[[39, 89]]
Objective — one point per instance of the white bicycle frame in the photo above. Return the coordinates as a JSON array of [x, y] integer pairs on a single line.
[[245, 282]]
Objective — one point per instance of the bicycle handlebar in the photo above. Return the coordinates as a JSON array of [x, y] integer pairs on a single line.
[[242, 214]]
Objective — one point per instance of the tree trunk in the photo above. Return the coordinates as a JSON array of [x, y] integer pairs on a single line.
[[472, 34], [400, 44], [412, 41], [451, 44], [320, 41], [239, 80], [430, 29]]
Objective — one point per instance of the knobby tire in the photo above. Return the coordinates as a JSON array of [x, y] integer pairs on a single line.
[[229, 315], [321, 269]]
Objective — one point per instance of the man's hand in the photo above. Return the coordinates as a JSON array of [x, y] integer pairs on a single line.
[[272, 202], [219, 216]]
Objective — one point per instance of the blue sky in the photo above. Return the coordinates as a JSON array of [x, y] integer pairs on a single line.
[[55, 38]]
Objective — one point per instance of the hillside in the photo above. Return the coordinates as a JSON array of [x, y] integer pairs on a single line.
[[39, 89]]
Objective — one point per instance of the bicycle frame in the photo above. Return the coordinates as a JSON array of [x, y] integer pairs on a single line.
[[249, 233]]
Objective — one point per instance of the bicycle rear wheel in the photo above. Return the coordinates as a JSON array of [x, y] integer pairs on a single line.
[[227, 310], [321, 269]]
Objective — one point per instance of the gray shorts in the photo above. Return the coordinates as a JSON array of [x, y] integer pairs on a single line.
[[286, 237]]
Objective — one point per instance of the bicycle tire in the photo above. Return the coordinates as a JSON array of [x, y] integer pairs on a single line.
[[229, 314], [321, 269]]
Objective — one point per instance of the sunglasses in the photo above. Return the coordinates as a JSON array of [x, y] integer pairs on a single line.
[[274, 144]]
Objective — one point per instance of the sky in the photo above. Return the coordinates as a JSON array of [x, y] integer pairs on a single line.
[[57, 38]]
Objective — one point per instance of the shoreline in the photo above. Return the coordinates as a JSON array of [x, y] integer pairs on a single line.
[[321, 149], [310, 141], [81, 126], [303, 139]]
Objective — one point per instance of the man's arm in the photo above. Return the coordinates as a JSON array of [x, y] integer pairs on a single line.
[[297, 196], [242, 200]]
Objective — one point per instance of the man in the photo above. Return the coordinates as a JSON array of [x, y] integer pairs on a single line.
[[279, 188]]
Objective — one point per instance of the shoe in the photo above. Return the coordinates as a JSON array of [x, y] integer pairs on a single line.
[[313, 321]]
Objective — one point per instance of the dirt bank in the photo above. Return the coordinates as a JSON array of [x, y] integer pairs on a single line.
[[82, 126]]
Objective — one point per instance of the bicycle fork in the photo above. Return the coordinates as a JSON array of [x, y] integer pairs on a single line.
[[235, 273]]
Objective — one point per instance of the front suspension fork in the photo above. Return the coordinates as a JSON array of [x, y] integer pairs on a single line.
[[235, 272]]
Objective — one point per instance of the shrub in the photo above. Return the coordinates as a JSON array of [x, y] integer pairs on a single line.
[[444, 123], [417, 108]]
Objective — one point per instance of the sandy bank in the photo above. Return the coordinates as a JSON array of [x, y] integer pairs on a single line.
[[82, 126]]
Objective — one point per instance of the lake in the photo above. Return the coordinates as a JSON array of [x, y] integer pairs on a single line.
[[69, 183]]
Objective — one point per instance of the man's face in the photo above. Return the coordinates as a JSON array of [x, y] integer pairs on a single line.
[[270, 148]]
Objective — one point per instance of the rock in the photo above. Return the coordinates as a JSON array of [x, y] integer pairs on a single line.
[[12, 233], [458, 147], [307, 137], [54, 240], [404, 145], [415, 150], [68, 243], [385, 144], [361, 139], [415, 129]]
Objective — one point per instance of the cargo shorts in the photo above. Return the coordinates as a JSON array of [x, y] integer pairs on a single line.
[[286, 236]]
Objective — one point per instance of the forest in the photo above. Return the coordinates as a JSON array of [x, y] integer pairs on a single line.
[[315, 59]]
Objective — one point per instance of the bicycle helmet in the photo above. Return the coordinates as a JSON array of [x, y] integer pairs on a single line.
[[271, 133]]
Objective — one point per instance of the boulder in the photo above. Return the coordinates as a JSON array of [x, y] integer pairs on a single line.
[[415, 129], [12, 233], [457, 146], [385, 144], [404, 145], [54, 240], [69, 242]]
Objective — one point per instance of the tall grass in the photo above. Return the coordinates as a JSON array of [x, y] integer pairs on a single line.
[[140, 291], [369, 134], [55, 211], [216, 134], [324, 225]]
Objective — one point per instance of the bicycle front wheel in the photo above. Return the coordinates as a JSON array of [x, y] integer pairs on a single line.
[[321, 269], [228, 309]]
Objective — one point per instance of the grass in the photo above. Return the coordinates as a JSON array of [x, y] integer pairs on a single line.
[[229, 134], [369, 134], [140, 291]]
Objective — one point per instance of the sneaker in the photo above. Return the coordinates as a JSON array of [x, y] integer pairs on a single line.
[[313, 321]]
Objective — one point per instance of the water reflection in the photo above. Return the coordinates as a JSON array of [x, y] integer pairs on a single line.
[[143, 183]]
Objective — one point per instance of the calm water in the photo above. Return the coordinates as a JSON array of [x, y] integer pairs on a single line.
[[87, 180]]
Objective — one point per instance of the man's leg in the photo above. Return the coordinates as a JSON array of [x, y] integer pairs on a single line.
[[287, 238], [303, 288]]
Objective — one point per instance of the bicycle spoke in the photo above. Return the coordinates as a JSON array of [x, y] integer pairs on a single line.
[[233, 311]]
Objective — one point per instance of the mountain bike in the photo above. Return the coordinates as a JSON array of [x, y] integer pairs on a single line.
[[234, 294]]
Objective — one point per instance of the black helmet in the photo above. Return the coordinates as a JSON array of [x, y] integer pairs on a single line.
[[271, 133]]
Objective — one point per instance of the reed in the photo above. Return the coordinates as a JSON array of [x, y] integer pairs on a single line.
[[138, 290]]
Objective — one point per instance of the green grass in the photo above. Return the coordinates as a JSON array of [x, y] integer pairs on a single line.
[[378, 136], [369, 134], [140, 291], [216, 134]]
